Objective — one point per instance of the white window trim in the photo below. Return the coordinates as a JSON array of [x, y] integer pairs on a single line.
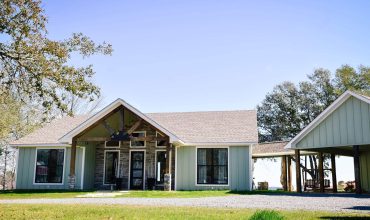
[[156, 142], [119, 155], [228, 166], [119, 145], [64, 165], [138, 147], [158, 150], [129, 167]]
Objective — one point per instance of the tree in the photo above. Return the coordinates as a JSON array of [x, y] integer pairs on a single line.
[[36, 68], [289, 108]]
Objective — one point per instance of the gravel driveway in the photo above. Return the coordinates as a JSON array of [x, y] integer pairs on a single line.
[[342, 203]]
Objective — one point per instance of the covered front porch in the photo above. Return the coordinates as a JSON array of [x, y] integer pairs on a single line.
[[121, 149]]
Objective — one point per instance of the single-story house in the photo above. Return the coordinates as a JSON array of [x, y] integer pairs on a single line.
[[121, 146], [341, 129]]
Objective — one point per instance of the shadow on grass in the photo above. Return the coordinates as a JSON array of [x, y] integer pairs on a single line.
[[284, 193], [344, 217], [24, 191]]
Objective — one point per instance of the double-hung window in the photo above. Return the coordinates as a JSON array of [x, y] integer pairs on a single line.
[[49, 166], [212, 166]]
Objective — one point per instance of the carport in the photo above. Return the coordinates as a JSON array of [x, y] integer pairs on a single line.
[[341, 129]]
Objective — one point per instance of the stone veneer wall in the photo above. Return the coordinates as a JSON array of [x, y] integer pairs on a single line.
[[124, 161]]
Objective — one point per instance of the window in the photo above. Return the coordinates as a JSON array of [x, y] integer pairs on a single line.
[[212, 166], [160, 166], [160, 143], [111, 165], [49, 166], [138, 134], [112, 144]]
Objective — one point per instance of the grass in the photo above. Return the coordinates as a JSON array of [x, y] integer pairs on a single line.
[[39, 194], [36, 194], [27, 211]]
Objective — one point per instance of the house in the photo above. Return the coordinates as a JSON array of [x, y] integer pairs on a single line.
[[122, 146], [341, 129]]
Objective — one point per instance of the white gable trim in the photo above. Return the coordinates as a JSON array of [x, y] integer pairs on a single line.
[[335, 105], [67, 138]]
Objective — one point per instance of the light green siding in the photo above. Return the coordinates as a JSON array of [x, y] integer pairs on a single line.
[[26, 169], [89, 170], [365, 170], [348, 125], [239, 169]]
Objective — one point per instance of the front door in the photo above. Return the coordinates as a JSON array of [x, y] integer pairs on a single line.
[[137, 170]]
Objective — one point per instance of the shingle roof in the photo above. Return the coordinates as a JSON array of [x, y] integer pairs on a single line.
[[190, 127], [271, 148], [211, 126], [51, 132]]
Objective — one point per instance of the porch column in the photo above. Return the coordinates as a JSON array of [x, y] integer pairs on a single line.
[[321, 172], [289, 173], [284, 172], [72, 166], [333, 173], [167, 175], [298, 170], [356, 162]]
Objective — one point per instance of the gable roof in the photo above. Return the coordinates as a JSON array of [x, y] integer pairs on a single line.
[[208, 127], [335, 105], [67, 138], [51, 132]]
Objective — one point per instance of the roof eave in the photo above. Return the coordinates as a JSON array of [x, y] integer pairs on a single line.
[[338, 102]]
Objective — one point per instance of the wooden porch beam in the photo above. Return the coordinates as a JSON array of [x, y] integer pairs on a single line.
[[334, 173], [134, 126], [356, 163], [148, 138], [298, 171], [321, 171]]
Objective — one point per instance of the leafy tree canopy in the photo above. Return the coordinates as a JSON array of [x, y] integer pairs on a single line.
[[289, 107], [35, 68]]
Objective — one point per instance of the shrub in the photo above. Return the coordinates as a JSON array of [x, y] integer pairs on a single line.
[[266, 215]]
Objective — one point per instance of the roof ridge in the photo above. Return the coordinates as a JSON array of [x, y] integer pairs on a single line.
[[213, 111]]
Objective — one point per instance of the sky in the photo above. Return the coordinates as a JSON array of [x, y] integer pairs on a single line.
[[211, 55], [214, 55]]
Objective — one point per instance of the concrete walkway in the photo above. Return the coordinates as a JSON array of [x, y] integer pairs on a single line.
[[343, 203]]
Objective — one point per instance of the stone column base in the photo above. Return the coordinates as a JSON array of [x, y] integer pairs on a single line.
[[167, 182], [72, 182]]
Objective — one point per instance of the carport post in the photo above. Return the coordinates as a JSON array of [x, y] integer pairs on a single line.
[[356, 163], [333, 173], [298, 170], [321, 172], [284, 172]]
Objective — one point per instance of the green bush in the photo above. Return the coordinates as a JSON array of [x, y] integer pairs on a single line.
[[266, 215]]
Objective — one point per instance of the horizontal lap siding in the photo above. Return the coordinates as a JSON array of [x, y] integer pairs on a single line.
[[239, 166], [26, 169], [346, 126]]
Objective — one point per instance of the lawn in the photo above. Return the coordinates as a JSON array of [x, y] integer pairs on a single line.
[[28, 211], [39, 194], [35, 194]]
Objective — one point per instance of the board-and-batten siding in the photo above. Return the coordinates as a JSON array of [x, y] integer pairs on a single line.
[[26, 169], [239, 168], [348, 125]]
